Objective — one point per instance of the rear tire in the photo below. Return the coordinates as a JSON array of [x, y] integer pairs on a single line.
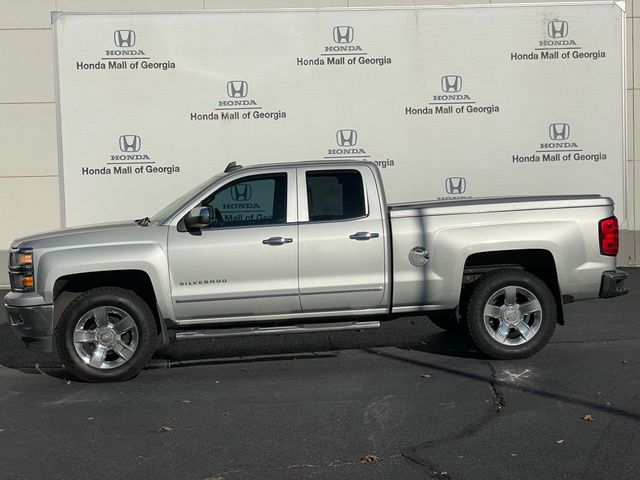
[[106, 334], [511, 314]]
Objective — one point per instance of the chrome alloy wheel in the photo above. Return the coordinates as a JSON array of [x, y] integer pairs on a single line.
[[512, 315], [105, 337]]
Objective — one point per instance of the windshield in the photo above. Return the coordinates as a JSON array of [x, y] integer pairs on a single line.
[[178, 204]]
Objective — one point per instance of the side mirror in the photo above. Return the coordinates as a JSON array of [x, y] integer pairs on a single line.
[[199, 217]]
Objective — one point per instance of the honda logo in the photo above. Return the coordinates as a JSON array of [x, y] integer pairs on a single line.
[[241, 192], [343, 34], [237, 88], [559, 131], [455, 185], [558, 28], [124, 38], [451, 83], [346, 138], [130, 143]]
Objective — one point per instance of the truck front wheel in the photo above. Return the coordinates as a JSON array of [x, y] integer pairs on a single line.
[[511, 314], [106, 334]]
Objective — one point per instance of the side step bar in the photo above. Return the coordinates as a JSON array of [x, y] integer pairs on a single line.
[[283, 330]]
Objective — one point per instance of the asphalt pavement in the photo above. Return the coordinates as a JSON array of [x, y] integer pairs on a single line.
[[407, 401]]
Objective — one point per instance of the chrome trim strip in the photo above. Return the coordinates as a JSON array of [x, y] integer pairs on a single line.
[[283, 330], [347, 290], [218, 298], [420, 308]]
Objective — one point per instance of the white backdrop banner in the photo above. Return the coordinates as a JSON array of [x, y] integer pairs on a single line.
[[450, 102]]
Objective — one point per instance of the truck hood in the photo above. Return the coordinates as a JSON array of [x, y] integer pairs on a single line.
[[53, 236]]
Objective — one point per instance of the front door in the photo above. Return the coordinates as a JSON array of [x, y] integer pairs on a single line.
[[245, 264]]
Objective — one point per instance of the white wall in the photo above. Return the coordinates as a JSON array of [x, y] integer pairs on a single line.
[[29, 191]]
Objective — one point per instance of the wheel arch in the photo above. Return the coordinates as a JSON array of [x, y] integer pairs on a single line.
[[539, 262], [66, 288]]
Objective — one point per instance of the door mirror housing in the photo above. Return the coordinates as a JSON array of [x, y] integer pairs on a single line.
[[199, 217]]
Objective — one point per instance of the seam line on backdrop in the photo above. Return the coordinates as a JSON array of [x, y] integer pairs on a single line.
[[633, 133], [27, 103], [6, 29], [633, 130], [28, 176]]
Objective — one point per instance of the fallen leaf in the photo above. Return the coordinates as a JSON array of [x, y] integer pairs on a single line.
[[369, 459], [588, 418], [165, 429], [425, 375], [560, 441]]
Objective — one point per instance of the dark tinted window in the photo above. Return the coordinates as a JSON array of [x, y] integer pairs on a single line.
[[259, 200], [335, 195]]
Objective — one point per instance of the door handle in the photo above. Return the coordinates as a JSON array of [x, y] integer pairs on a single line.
[[277, 241], [364, 236]]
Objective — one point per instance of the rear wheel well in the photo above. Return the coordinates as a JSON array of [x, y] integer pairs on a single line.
[[69, 287], [538, 262]]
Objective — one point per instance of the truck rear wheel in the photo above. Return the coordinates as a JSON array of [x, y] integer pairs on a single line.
[[511, 314], [106, 334]]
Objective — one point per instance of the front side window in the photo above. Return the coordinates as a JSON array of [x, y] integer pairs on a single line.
[[335, 195], [257, 200]]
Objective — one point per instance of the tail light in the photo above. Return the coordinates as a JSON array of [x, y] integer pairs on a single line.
[[609, 236]]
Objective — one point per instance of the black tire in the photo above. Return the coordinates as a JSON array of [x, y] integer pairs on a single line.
[[121, 320], [495, 314], [447, 320]]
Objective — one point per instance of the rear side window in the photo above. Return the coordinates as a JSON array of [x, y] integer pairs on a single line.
[[335, 195]]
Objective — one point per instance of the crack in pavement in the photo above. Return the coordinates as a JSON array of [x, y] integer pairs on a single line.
[[493, 383], [334, 464], [439, 471], [419, 454], [521, 388]]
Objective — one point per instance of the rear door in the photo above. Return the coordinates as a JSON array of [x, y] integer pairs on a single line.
[[341, 240]]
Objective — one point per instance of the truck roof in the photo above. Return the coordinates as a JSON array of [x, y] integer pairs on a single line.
[[231, 167]]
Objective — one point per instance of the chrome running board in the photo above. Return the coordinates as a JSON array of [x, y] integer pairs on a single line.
[[283, 330]]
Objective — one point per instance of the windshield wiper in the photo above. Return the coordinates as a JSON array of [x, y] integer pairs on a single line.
[[143, 222]]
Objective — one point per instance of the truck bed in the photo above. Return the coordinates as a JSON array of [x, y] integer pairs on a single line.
[[495, 204]]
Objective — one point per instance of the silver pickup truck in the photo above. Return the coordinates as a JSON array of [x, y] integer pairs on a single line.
[[309, 247]]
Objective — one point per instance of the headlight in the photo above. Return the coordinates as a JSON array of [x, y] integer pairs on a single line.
[[21, 270]]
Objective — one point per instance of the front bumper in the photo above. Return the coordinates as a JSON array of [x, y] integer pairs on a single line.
[[612, 284], [34, 325]]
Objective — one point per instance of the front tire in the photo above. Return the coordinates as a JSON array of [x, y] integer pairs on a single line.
[[106, 334], [511, 314]]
